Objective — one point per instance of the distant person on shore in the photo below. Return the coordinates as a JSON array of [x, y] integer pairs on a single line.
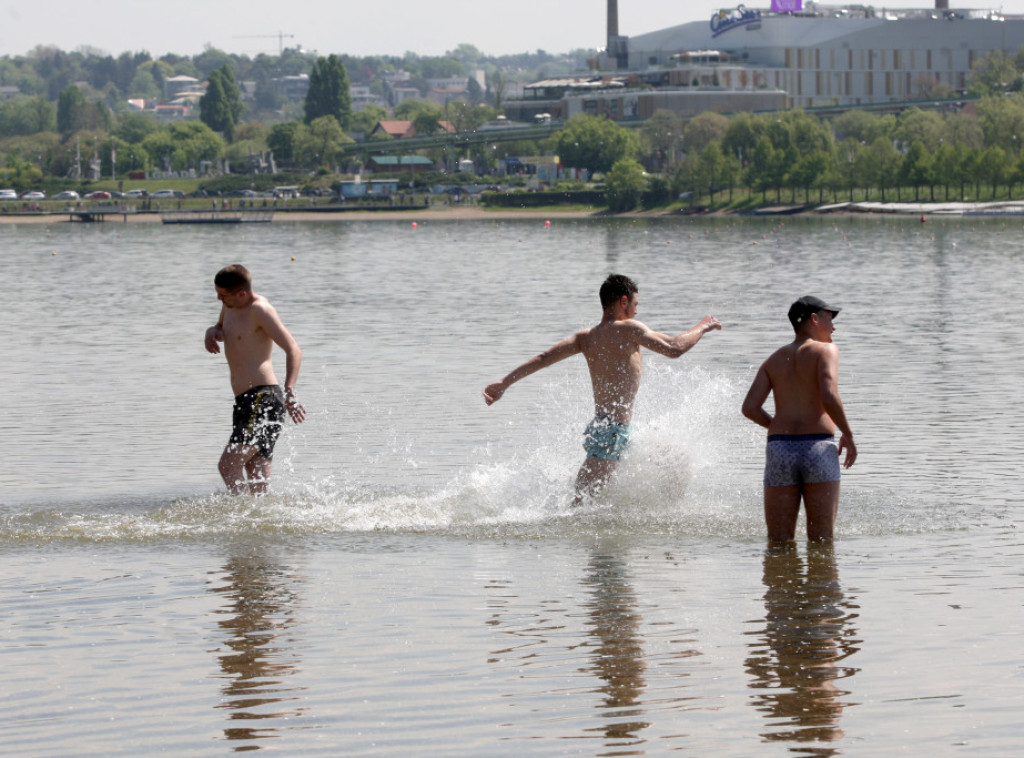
[[249, 327], [612, 351], [802, 458]]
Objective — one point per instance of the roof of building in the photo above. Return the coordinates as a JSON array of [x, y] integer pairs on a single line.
[[401, 160], [399, 129]]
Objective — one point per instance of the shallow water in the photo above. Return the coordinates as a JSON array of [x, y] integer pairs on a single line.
[[416, 582]]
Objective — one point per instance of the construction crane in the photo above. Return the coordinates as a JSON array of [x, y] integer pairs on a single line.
[[280, 38]]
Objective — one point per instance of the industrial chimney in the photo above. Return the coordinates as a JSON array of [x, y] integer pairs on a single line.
[[617, 47]]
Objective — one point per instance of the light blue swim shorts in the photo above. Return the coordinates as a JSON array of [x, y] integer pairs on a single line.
[[604, 439], [795, 459]]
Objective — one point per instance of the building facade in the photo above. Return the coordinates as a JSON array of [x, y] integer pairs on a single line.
[[830, 55]]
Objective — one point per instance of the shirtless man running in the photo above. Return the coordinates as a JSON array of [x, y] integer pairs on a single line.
[[612, 350], [802, 459], [249, 327]]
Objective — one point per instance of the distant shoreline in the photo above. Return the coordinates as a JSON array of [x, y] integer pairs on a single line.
[[478, 213], [434, 213]]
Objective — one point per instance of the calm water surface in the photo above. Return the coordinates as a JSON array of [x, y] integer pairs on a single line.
[[416, 584]]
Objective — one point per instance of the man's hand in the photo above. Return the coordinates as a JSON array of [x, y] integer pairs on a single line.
[[709, 323], [295, 409], [493, 392], [847, 443], [214, 335]]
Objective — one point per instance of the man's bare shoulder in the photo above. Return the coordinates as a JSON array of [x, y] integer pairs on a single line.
[[819, 349], [629, 328], [262, 309], [781, 356]]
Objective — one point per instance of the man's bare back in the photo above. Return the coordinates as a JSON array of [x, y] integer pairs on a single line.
[[802, 459], [612, 350], [800, 375]]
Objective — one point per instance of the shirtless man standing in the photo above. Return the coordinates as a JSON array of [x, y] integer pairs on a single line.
[[802, 459], [249, 327], [612, 350]]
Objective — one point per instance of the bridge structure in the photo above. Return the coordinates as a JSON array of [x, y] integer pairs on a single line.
[[452, 139], [530, 132]]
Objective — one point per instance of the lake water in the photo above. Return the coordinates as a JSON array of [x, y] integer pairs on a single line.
[[416, 585]]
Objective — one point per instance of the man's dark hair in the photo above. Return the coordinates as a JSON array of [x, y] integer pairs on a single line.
[[614, 287], [233, 278]]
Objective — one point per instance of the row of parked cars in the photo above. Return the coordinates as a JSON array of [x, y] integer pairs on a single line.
[[9, 194]]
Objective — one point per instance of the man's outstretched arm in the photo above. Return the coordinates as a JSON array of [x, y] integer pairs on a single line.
[[561, 351], [673, 347]]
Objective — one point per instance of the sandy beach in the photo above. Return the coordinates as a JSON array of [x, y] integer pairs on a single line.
[[479, 213], [434, 213]]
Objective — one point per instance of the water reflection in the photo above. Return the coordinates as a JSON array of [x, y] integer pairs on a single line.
[[618, 656], [261, 655], [807, 632]]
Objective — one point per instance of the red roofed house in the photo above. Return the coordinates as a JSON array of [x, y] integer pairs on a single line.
[[399, 129]]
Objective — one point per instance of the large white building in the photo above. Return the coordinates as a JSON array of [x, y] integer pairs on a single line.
[[826, 55]]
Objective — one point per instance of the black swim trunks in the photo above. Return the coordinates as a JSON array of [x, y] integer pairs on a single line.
[[259, 418]]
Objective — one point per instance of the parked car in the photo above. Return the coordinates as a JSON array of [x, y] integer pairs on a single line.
[[33, 195], [167, 193], [136, 193], [243, 193], [98, 195], [66, 195], [8, 194]]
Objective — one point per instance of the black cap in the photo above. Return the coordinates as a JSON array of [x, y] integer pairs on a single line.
[[807, 305]]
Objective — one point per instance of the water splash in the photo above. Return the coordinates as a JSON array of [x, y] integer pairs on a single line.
[[692, 471]]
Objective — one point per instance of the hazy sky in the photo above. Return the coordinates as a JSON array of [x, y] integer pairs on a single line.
[[356, 27]]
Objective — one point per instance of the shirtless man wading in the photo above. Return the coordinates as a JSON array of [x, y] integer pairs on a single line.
[[612, 350], [249, 327], [802, 459]]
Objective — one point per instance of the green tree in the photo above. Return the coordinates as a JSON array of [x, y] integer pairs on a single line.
[[594, 143], [144, 85], [624, 185], [761, 167], [862, 126], [810, 171], [847, 158], [703, 129], [916, 169], [134, 127], [410, 109], [660, 136], [281, 140], [221, 107], [76, 114], [1002, 122], [426, 123], [882, 164], [194, 142], [993, 168], [964, 129], [916, 125], [27, 116], [946, 167], [365, 120], [319, 144], [992, 74], [328, 93]]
